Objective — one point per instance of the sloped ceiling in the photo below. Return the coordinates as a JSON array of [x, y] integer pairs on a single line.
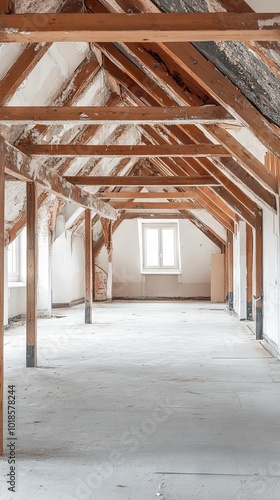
[[110, 81]]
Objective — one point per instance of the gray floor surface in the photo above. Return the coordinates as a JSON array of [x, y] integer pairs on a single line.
[[158, 400]]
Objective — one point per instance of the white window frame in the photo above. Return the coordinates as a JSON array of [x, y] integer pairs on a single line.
[[159, 225]]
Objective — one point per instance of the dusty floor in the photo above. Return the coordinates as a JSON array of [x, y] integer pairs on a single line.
[[170, 401]]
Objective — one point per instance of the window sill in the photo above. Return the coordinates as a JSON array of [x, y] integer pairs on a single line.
[[16, 284]]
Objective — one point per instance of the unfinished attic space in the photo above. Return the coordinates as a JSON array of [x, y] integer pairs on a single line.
[[139, 250]]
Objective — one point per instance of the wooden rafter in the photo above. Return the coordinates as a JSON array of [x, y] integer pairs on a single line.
[[20, 70], [205, 74], [224, 92], [229, 192], [19, 166], [92, 115], [179, 27], [68, 95], [134, 82]]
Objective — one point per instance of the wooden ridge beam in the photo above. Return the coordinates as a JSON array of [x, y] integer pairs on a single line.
[[156, 180], [178, 27], [130, 205], [139, 151], [93, 115], [19, 166]]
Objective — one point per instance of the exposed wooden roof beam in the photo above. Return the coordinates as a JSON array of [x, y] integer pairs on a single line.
[[18, 165], [175, 180], [145, 215], [214, 237], [92, 115], [228, 191], [253, 175], [216, 85], [138, 205], [20, 70], [68, 94], [250, 163], [127, 195], [139, 151], [179, 27], [224, 92]]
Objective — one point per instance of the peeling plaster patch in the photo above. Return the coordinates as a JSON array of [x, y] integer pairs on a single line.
[[269, 23], [15, 194], [249, 141], [44, 215], [49, 75], [96, 93], [215, 6], [35, 6]]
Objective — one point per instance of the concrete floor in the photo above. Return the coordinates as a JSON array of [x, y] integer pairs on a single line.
[[169, 400]]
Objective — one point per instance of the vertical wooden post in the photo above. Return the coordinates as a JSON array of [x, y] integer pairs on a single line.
[[2, 264], [249, 273], [88, 266], [259, 275], [230, 269], [32, 274], [110, 264]]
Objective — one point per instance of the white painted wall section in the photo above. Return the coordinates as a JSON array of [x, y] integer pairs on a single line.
[[271, 287], [67, 269], [194, 280]]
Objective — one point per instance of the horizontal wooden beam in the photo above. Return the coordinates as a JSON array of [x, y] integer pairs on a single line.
[[179, 27], [18, 165], [123, 195], [146, 215], [94, 115], [138, 151], [130, 205], [199, 180]]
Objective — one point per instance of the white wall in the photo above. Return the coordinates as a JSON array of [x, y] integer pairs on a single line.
[[271, 277], [16, 292], [194, 281], [67, 269]]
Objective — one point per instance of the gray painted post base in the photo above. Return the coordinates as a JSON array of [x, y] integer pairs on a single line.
[[30, 356], [249, 311], [259, 323], [88, 314], [230, 300]]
